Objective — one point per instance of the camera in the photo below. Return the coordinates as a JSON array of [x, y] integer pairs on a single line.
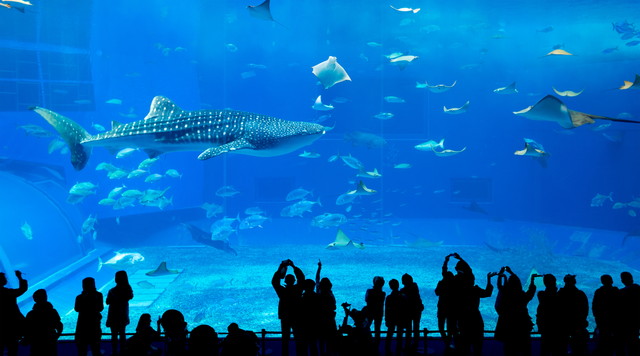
[[345, 305]]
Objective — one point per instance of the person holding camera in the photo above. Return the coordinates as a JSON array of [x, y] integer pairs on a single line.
[[289, 297], [514, 323], [11, 319]]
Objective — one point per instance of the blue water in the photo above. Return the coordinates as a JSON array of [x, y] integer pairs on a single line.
[[214, 55]]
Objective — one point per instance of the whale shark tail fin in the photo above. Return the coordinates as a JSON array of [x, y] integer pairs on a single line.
[[72, 133]]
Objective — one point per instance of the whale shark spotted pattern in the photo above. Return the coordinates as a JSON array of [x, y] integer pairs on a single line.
[[168, 128]]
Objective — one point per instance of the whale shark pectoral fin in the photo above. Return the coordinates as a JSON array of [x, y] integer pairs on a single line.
[[227, 147], [153, 153]]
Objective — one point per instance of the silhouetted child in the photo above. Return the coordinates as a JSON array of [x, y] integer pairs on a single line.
[[574, 309], [548, 318], [445, 290], [11, 319], [374, 297], [289, 300], [414, 309], [605, 307], [630, 314], [327, 329], [203, 341], [89, 305], [118, 314], [356, 339], [239, 342], [395, 316], [43, 326], [514, 323], [141, 343], [309, 319], [175, 332]]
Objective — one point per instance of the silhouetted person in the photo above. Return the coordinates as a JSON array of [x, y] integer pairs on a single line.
[[239, 342], [175, 332], [514, 323], [414, 309], [203, 341], [89, 305], [43, 326], [629, 315], [309, 319], [574, 309], [141, 343], [357, 339], [395, 316], [289, 300], [118, 299], [327, 329], [445, 290], [11, 319], [374, 297], [548, 318], [605, 307]]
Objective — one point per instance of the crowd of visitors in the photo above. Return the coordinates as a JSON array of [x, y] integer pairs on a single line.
[[307, 311]]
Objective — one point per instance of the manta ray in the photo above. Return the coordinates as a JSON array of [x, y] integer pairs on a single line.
[[509, 89], [168, 128], [551, 108], [631, 85], [203, 237], [262, 11], [568, 93], [162, 270], [534, 149], [437, 88], [343, 241], [459, 110], [330, 72]]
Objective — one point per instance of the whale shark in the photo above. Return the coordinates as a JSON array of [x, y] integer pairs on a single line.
[[168, 128]]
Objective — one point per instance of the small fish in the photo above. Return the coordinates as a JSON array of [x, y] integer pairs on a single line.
[[439, 191], [352, 162], [609, 50], [116, 192], [89, 224], [257, 66], [114, 101], [252, 221], [459, 110], [402, 166], [601, 127], [254, 211], [117, 174], [125, 152], [83, 101], [173, 173], [247, 75], [35, 130], [153, 178], [107, 202], [383, 116], [298, 194], [147, 163], [136, 173], [27, 232], [226, 191], [318, 105], [632, 43], [98, 127], [618, 205], [429, 145], [231, 47], [406, 9], [545, 29], [632, 213], [374, 44], [599, 199], [212, 209], [306, 154], [393, 99]]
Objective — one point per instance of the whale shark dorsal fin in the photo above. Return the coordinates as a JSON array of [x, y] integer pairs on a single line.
[[115, 124], [161, 106]]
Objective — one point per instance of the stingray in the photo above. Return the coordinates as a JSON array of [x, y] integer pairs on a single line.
[[402, 61], [438, 88], [558, 52], [330, 72], [343, 241], [406, 9], [630, 85], [567, 92], [162, 270], [474, 207], [262, 11], [459, 110], [204, 238], [318, 105], [534, 149], [446, 153], [551, 108], [362, 189], [509, 89]]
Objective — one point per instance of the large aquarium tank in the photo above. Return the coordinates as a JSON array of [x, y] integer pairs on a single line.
[[196, 145]]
